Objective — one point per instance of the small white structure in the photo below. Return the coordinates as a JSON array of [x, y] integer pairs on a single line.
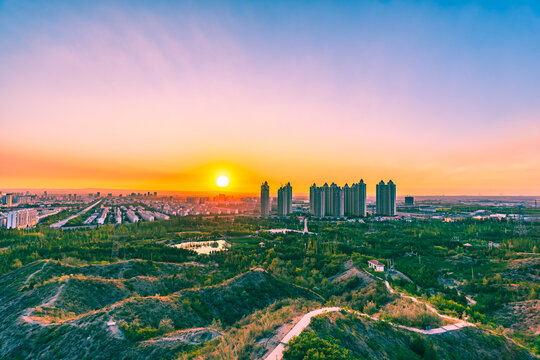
[[376, 265]]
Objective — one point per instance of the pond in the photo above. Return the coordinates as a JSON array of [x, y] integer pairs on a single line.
[[204, 247]]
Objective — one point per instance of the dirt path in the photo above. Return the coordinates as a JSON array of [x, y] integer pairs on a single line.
[[304, 322], [28, 313], [31, 276], [277, 353], [194, 336]]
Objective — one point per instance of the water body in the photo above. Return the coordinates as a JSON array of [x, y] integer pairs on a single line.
[[204, 247]]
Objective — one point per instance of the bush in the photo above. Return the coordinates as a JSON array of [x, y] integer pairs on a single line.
[[449, 305], [135, 332], [370, 308], [418, 345], [411, 314], [422, 348], [166, 325], [308, 346]]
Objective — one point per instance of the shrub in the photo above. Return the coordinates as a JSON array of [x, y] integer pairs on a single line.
[[418, 345], [166, 325], [370, 308], [308, 345], [423, 348]]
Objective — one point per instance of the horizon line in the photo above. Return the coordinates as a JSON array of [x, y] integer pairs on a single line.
[[123, 190]]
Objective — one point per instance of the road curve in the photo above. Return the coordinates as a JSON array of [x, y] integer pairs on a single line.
[[277, 353], [304, 322]]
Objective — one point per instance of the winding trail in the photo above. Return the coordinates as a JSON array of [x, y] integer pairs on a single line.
[[27, 317], [31, 276], [304, 322], [277, 353]]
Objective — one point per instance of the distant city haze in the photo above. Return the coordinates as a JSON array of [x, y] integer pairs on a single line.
[[161, 96]]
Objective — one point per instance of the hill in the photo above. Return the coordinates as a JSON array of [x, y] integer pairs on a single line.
[[362, 338], [50, 306]]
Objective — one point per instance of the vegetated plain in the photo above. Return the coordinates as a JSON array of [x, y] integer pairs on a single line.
[[124, 292]]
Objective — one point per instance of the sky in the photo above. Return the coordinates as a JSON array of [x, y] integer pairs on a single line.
[[442, 97]]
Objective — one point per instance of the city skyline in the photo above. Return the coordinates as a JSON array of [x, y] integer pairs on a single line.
[[303, 193], [167, 96]]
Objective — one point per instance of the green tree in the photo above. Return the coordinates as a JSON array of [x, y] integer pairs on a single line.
[[425, 349], [308, 346], [166, 325], [16, 264]]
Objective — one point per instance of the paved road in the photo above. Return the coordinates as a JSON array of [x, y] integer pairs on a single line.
[[59, 224], [277, 353], [304, 322]]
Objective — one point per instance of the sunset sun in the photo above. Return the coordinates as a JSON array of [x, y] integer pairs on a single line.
[[222, 181]]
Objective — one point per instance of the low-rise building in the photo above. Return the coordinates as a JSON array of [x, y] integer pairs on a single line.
[[376, 265], [146, 215], [131, 216], [101, 219]]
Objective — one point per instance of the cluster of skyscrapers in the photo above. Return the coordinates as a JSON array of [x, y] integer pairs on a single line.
[[334, 201]]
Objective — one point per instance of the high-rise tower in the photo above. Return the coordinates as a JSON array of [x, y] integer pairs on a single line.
[[357, 194], [348, 201], [338, 207], [319, 202], [386, 199], [265, 200], [327, 200], [312, 190], [289, 198], [285, 200]]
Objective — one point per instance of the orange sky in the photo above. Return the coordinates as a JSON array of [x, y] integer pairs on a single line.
[[476, 170]]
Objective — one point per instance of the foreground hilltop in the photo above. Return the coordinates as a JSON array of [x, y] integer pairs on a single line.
[[107, 310], [362, 338], [147, 310]]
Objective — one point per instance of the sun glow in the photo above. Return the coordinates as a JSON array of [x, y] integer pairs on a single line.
[[222, 181]]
